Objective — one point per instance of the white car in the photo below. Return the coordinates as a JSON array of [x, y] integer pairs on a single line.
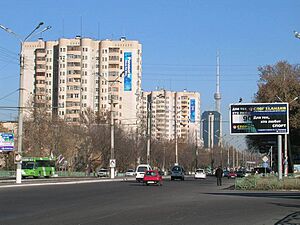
[[130, 173], [103, 172], [140, 171], [200, 174]]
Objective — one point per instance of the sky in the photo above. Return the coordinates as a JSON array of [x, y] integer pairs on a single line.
[[180, 41]]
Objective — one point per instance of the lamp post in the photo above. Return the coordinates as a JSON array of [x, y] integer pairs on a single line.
[[149, 122], [112, 160], [286, 165], [220, 139], [21, 89], [285, 162], [175, 132]]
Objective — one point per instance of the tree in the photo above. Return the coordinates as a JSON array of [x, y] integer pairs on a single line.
[[37, 139], [279, 82]]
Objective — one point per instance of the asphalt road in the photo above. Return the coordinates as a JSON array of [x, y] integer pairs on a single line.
[[186, 202]]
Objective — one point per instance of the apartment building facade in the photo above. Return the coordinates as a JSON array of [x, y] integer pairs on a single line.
[[69, 76], [171, 113]]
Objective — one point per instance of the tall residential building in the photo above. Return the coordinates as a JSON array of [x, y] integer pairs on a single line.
[[172, 113], [71, 75]]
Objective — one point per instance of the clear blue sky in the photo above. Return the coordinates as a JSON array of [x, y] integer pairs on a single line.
[[180, 39]]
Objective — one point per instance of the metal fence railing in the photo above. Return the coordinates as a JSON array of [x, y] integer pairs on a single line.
[[11, 174], [7, 174]]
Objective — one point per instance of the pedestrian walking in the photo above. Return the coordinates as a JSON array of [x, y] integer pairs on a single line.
[[219, 175]]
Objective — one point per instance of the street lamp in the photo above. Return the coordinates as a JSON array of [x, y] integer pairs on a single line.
[[21, 89], [176, 138], [286, 167], [112, 161], [285, 170], [149, 122], [297, 34]]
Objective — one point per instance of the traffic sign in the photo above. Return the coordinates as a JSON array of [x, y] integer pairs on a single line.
[[265, 165], [112, 163], [265, 159]]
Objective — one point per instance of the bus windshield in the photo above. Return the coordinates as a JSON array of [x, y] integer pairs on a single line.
[[27, 165]]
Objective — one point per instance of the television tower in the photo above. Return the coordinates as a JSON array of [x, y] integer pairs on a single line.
[[217, 95]]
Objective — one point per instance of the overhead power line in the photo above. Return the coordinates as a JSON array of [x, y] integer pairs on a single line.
[[5, 96]]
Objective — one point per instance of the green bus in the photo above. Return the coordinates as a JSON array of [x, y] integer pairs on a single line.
[[38, 167]]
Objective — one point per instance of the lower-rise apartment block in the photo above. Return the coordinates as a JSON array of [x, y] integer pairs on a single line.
[[171, 113]]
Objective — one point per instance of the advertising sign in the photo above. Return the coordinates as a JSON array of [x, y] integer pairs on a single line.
[[192, 110], [6, 142], [127, 71], [259, 118]]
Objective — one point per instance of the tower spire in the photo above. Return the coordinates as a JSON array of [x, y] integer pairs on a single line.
[[217, 94]]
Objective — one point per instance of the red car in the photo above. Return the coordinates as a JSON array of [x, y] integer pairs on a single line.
[[152, 177], [232, 174]]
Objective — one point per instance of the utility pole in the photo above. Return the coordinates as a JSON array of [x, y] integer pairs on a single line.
[[233, 158], [149, 115], [196, 153], [112, 161], [228, 155], [175, 131], [150, 100], [237, 159], [112, 140], [286, 164], [21, 90], [279, 140], [271, 157]]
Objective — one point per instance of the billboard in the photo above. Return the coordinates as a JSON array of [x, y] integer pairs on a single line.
[[6, 142], [259, 118], [192, 110], [127, 71]]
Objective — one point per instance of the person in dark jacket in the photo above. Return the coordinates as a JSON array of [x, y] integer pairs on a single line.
[[219, 175]]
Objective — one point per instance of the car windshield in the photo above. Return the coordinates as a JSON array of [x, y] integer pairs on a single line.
[[200, 171], [150, 173], [176, 169], [142, 169], [130, 170], [103, 170]]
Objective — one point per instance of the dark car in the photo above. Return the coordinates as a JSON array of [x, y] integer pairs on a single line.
[[261, 170], [240, 173], [177, 172], [225, 173]]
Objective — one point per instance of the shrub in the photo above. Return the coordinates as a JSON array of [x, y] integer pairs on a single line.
[[267, 183]]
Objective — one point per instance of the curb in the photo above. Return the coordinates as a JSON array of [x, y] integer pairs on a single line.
[[65, 183]]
